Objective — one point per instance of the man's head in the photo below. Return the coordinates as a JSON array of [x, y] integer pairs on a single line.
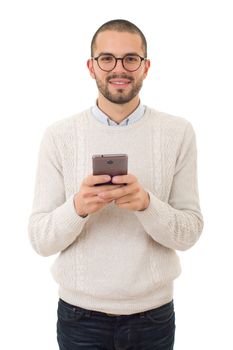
[[119, 61], [119, 25]]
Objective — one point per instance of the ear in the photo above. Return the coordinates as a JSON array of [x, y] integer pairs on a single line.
[[91, 67], [147, 67]]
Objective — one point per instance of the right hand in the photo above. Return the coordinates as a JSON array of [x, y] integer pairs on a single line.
[[87, 201]]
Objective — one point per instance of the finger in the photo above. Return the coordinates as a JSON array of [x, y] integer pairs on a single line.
[[96, 200], [128, 205], [117, 193], [93, 180], [124, 179], [125, 199], [105, 188], [96, 206], [95, 190]]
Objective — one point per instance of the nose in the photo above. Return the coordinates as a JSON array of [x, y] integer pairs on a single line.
[[119, 65]]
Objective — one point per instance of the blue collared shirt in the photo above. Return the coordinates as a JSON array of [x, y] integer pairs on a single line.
[[132, 118]]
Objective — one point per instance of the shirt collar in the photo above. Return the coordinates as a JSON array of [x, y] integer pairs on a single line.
[[132, 118]]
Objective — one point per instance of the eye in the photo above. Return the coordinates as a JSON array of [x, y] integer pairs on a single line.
[[131, 59], [106, 58]]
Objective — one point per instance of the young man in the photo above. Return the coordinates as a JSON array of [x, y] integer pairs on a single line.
[[117, 243]]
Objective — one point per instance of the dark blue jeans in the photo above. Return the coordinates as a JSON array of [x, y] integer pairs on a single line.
[[79, 328]]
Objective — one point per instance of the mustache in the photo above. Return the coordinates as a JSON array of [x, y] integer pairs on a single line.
[[121, 76]]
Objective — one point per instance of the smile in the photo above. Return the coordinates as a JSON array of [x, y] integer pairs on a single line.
[[119, 82]]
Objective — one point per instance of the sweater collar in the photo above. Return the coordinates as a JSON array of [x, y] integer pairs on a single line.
[[132, 118]]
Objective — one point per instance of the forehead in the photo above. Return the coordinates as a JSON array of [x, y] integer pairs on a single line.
[[118, 43]]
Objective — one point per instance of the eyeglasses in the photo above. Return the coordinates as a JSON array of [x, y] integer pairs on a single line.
[[107, 62]]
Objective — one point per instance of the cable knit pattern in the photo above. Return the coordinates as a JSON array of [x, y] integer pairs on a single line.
[[115, 260]]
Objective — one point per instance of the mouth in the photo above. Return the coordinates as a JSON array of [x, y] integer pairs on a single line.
[[119, 82]]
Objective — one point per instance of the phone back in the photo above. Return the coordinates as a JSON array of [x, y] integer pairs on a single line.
[[110, 164]]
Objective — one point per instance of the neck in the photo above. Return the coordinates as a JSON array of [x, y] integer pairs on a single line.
[[117, 112]]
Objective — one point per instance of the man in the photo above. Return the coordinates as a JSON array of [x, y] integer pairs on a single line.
[[117, 242]]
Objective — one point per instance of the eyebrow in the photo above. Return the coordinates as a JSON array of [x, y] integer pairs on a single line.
[[110, 53]]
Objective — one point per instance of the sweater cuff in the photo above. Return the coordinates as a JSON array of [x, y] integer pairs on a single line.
[[67, 218], [155, 219], [153, 213]]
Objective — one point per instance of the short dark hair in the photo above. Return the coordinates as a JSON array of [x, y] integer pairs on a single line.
[[119, 25]]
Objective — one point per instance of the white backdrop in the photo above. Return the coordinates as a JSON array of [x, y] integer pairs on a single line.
[[43, 78]]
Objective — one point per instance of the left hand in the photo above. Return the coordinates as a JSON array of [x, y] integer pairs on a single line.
[[130, 196]]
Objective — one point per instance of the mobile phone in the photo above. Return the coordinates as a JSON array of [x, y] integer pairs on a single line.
[[110, 164]]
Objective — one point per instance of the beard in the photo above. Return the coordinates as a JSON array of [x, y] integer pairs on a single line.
[[120, 96]]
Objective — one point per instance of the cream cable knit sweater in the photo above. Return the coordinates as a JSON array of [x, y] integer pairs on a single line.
[[115, 260]]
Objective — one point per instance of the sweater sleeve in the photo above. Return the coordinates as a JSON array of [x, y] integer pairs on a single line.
[[178, 223], [54, 223]]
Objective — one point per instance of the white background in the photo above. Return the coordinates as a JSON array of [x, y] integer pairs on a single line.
[[43, 78]]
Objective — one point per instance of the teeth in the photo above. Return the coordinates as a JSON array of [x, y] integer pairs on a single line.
[[119, 83]]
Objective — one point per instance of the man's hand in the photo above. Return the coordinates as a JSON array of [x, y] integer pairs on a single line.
[[130, 196], [87, 200]]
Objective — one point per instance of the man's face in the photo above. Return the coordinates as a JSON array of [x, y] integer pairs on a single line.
[[119, 85]]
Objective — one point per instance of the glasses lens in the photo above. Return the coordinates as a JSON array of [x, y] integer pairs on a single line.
[[132, 62], [106, 62]]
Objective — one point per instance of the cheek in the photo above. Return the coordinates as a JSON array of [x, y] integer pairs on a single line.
[[139, 78], [101, 76]]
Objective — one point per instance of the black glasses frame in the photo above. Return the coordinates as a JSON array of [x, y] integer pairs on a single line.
[[121, 59]]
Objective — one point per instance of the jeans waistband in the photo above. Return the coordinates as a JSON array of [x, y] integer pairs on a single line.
[[90, 312]]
